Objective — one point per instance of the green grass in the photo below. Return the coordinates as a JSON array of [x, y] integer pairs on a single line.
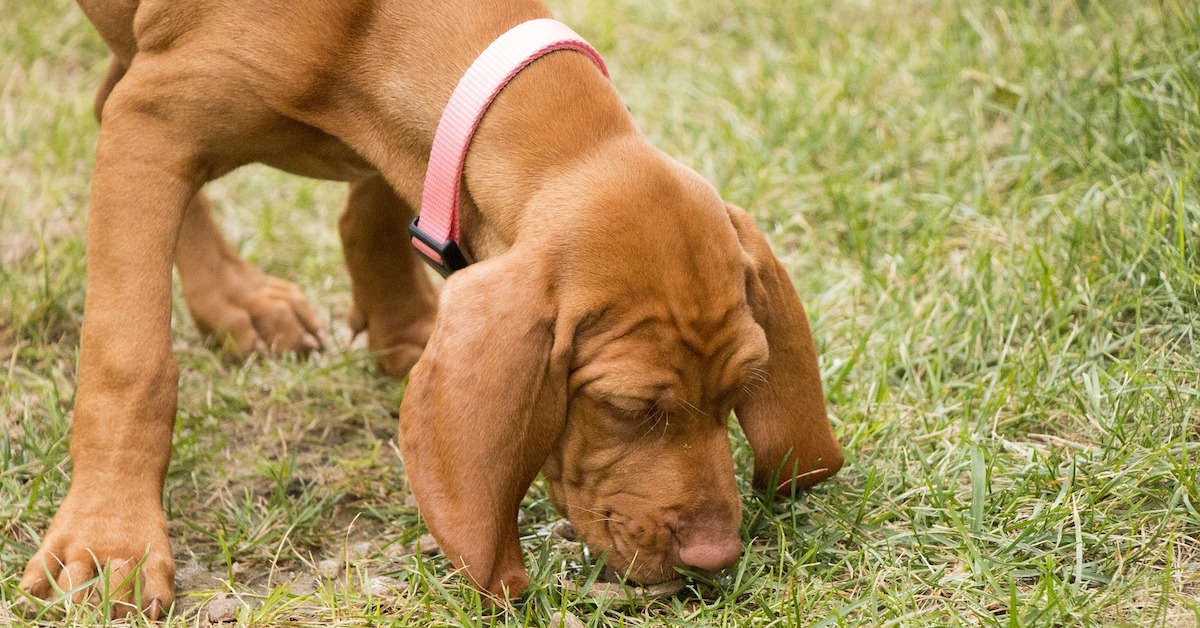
[[990, 209]]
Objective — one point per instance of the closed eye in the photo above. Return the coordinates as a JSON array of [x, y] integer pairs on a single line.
[[627, 397], [626, 404]]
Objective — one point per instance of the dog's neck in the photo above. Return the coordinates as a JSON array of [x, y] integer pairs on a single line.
[[547, 121]]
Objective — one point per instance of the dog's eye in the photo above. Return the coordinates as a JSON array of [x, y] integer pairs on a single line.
[[620, 403], [626, 404], [629, 398]]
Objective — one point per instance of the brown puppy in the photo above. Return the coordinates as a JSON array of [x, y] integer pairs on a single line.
[[617, 312]]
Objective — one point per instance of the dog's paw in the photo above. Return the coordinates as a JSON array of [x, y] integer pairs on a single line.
[[397, 340], [105, 555], [397, 361], [254, 312]]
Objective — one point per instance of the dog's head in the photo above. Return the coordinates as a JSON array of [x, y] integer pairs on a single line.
[[606, 349]]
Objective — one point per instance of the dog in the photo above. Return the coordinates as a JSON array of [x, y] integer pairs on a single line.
[[616, 312]]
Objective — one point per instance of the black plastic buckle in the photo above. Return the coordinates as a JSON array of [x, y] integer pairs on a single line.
[[452, 257]]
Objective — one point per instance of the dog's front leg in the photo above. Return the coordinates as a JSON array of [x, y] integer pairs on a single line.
[[112, 517], [394, 301]]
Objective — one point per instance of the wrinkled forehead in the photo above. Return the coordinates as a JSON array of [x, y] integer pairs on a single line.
[[644, 350], [646, 230]]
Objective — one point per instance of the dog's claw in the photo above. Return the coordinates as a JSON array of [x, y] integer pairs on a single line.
[[253, 313], [88, 560]]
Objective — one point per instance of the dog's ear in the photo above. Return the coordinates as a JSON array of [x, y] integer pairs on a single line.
[[483, 408], [784, 418]]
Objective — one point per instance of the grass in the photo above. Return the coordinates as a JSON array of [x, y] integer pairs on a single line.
[[990, 209]]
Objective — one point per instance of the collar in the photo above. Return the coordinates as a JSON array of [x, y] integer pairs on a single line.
[[435, 231]]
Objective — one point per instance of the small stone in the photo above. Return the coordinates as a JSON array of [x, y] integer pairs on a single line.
[[359, 550], [662, 589], [608, 591], [428, 546], [395, 549], [562, 529], [303, 586], [330, 568], [223, 609], [386, 586], [192, 577], [565, 620]]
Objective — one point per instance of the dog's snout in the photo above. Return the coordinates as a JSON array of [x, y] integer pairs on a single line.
[[710, 554], [710, 543]]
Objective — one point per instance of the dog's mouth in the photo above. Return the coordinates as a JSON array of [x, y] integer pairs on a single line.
[[646, 554]]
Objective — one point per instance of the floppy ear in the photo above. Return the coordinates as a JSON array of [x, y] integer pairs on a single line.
[[483, 408], [784, 419]]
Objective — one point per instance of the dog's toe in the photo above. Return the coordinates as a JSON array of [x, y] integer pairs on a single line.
[[40, 575], [282, 327], [118, 565], [264, 314]]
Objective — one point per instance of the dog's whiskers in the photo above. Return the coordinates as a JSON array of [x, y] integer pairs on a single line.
[[759, 376], [652, 418], [752, 389], [656, 417], [600, 516], [687, 405]]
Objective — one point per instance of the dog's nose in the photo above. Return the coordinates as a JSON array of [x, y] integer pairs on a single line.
[[711, 554]]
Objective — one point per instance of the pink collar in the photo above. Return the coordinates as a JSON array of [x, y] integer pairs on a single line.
[[436, 237]]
